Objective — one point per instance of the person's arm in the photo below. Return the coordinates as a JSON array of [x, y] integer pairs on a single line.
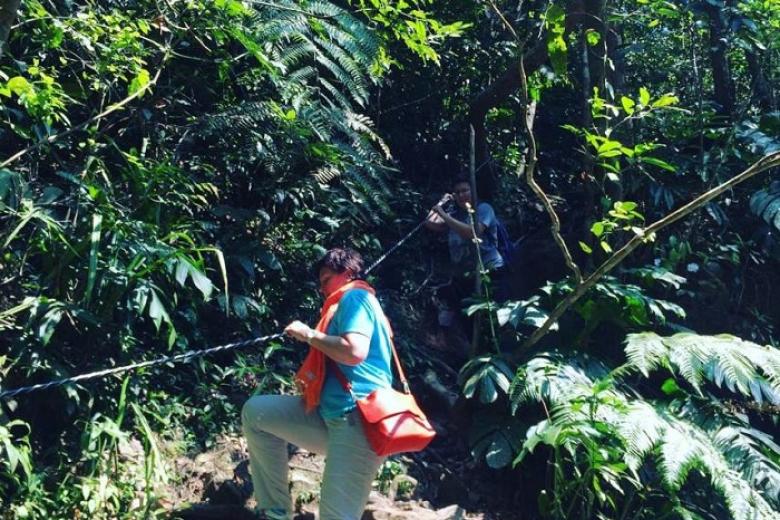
[[461, 228], [433, 221], [349, 349]]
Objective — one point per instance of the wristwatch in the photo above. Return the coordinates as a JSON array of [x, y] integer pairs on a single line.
[[310, 336]]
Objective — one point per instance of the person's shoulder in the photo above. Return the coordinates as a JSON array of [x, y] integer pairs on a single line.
[[358, 300], [357, 296], [485, 209]]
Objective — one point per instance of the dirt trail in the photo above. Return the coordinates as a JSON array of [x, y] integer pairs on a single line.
[[215, 484]]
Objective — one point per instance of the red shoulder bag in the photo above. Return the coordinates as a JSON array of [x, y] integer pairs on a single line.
[[392, 420]]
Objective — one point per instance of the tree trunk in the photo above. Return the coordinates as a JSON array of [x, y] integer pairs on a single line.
[[761, 90], [594, 75], [721, 72], [589, 183], [8, 9], [598, 52]]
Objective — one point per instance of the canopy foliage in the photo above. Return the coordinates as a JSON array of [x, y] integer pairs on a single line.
[[169, 170]]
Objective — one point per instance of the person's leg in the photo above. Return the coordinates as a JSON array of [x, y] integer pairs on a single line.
[[499, 282], [350, 468], [458, 334], [269, 423]]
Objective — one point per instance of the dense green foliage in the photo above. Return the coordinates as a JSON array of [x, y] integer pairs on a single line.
[[172, 222], [169, 171]]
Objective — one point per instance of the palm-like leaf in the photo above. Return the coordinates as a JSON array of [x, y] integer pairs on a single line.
[[741, 366], [591, 411], [766, 204], [321, 57]]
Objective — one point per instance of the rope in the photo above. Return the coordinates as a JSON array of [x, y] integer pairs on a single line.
[[179, 358], [396, 246], [186, 356]]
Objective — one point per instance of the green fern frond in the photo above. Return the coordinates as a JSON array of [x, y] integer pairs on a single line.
[[646, 351], [243, 118], [681, 450], [320, 59], [755, 455], [360, 123], [363, 189], [642, 429], [358, 39], [683, 446], [357, 91], [363, 125], [325, 9], [338, 101], [588, 412], [282, 28], [346, 61], [317, 32], [302, 75], [290, 55], [545, 378], [743, 367], [317, 121], [743, 502], [325, 174]]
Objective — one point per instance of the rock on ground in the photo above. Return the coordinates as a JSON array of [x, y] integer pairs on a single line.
[[216, 485]]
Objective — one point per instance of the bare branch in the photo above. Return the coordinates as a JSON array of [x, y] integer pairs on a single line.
[[530, 169], [531, 157], [504, 20], [763, 164]]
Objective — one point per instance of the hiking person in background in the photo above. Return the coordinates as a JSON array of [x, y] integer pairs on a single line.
[[460, 238], [354, 334]]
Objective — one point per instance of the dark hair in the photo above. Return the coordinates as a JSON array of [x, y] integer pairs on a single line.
[[340, 260], [461, 178]]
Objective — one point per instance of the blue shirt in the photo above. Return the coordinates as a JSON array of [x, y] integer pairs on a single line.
[[462, 250], [358, 312]]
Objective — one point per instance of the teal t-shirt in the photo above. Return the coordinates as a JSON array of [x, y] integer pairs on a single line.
[[358, 312]]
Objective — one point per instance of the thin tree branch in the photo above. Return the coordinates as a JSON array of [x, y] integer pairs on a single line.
[[763, 164], [531, 156], [111, 109], [505, 21], [530, 169]]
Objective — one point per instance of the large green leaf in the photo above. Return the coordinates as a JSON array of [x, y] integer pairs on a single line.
[[766, 204], [94, 239], [741, 366]]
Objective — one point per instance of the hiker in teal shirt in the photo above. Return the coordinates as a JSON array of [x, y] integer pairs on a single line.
[[359, 312], [324, 419]]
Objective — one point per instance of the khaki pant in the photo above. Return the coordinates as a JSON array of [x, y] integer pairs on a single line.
[[271, 421]]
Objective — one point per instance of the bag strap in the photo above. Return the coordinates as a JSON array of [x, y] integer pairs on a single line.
[[396, 359], [347, 385]]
